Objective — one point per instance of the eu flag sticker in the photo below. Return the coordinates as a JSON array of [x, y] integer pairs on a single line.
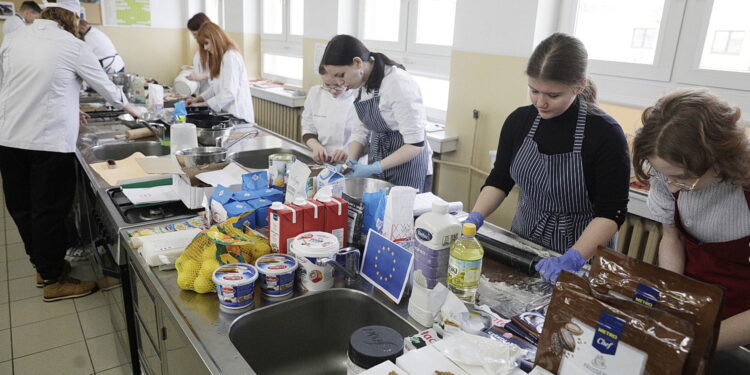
[[386, 265]]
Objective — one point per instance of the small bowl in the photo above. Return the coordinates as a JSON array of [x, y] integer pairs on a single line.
[[192, 157]]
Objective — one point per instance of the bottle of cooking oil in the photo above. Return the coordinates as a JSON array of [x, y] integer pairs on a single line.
[[465, 264]]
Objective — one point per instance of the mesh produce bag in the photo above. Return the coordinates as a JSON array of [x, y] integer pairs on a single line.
[[217, 245]]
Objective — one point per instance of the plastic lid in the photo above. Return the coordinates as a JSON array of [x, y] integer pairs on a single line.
[[469, 229], [277, 205], [299, 201], [235, 274], [315, 244], [372, 345], [440, 207], [274, 264], [323, 198]]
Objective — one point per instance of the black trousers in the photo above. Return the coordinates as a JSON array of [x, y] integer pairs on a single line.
[[39, 191]]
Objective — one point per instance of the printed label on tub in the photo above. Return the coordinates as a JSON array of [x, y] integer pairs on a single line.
[[235, 284], [276, 274]]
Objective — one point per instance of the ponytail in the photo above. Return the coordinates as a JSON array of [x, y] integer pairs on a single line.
[[380, 61], [589, 96]]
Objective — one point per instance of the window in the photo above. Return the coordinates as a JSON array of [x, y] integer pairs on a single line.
[[419, 34], [643, 38], [727, 42], [215, 11], [282, 25]]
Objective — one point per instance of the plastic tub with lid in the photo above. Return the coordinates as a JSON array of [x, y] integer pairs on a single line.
[[276, 275], [308, 248], [235, 284]]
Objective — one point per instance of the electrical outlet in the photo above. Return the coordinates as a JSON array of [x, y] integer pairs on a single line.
[[475, 114]]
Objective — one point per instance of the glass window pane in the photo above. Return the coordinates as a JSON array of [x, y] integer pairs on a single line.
[[434, 91], [284, 66], [726, 47], [616, 30], [381, 20], [296, 17], [212, 10], [272, 16], [435, 20]]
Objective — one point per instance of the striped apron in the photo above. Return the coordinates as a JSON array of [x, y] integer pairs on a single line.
[[384, 141], [554, 206]]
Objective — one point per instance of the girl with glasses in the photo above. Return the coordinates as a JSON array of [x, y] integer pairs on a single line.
[[696, 156]]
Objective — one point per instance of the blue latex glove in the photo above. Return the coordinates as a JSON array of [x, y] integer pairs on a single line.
[[364, 170], [550, 268], [475, 218]]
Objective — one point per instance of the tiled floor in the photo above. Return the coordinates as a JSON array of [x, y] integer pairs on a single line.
[[64, 337]]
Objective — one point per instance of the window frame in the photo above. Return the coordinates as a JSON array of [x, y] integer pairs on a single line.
[[372, 44], [284, 44], [221, 17]]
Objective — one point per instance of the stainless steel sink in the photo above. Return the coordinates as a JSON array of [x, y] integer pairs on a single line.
[[258, 159], [117, 151], [309, 334]]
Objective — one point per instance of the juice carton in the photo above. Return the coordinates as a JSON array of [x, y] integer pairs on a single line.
[[285, 223]]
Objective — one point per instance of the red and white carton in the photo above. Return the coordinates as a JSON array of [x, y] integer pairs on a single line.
[[313, 214], [284, 223], [336, 217]]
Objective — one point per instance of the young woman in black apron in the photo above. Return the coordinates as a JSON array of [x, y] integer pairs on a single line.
[[694, 152], [389, 104], [569, 158]]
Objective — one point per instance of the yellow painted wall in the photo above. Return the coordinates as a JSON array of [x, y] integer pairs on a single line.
[[250, 46], [628, 117], [309, 77], [494, 85]]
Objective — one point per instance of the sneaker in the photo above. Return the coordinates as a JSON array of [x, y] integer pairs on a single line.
[[77, 254], [68, 287], [40, 281]]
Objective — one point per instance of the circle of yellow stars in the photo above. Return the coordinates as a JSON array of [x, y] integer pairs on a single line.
[[390, 275]]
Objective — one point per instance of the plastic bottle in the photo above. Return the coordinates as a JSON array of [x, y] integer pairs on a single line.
[[434, 231], [182, 136], [465, 264]]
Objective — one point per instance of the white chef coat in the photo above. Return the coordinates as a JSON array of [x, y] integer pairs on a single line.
[[41, 67], [104, 50], [13, 23], [230, 91], [401, 107], [198, 68], [330, 118]]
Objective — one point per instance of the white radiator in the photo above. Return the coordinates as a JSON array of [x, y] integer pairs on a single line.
[[639, 238], [278, 118]]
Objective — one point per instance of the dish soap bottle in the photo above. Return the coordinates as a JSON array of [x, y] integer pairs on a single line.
[[465, 264]]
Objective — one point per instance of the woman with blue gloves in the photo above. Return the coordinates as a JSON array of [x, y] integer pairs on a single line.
[[569, 158], [389, 105]]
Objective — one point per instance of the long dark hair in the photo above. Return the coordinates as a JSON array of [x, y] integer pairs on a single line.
[[197, 20], [342, 50], [563, 58]]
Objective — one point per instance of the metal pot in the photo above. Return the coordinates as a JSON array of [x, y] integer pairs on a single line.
[[207, 136], [206, 121], [191, 157], [355, 187]]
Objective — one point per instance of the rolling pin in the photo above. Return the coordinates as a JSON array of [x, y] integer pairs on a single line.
[[138, 133]]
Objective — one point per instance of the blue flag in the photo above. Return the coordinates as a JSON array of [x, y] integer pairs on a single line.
[[386, 265]]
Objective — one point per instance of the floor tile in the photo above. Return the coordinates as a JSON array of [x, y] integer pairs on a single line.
[[11, 235], [122, 370], [23, 288], [4, 316], [70, 359], [96, 322], [90, 302], [34, 338], [3, 292], [16, 251], [32, 310], [20, 268], [3, 271], [105, 352], [6, 368], [5, 352]]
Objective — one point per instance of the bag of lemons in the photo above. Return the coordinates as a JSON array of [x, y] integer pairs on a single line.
[[220, 244]]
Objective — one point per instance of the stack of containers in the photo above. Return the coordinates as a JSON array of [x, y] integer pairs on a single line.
[[435, 231]]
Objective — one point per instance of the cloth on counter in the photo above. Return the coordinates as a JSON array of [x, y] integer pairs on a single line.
[[423, 204]]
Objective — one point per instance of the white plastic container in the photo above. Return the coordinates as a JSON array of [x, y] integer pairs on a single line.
[[308, 248], [434, 232], [276, 275], [182, 136], [184, 86], [235, 284]]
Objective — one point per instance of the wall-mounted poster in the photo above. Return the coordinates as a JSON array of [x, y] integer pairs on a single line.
[[126, 12], [7, 10]]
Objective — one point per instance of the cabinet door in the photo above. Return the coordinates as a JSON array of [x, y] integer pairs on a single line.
[[179, 354], [150, 360], [145, 307]]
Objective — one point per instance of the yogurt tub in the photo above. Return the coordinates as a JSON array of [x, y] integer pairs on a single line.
[[235, 284], [276, 275], [308, 248]]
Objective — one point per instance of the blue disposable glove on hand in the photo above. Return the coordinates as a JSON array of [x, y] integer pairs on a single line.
[[475, 218], [550, 268], [364, 170]]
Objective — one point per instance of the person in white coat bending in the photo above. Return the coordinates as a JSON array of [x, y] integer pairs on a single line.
[[27, 13], [328, 119], [103, 48], [41, 68], [194, 24], [229, 88]]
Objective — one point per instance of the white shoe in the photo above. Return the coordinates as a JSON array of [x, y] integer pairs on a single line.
[[77, 254]]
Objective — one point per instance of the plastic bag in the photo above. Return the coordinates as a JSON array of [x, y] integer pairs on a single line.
[[474, 353], [374, 211]]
